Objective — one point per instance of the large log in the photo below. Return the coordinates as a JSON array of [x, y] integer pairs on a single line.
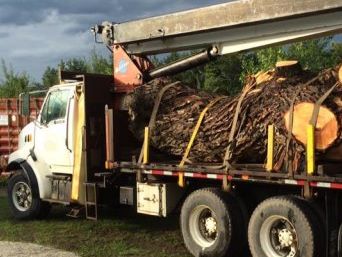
[[327, 127], [268, 98]]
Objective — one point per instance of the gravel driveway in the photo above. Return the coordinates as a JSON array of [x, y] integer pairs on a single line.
[[12, 249]]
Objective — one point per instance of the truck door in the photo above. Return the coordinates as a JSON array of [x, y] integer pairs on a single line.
[[53, 144]]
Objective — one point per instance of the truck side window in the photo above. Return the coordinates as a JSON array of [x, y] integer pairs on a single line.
[[55, 106]]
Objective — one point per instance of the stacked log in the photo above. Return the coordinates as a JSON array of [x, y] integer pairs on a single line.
[[266, 99]]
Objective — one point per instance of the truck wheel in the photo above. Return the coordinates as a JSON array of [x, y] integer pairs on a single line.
[[211, 224], [24, 201], [283, 226]]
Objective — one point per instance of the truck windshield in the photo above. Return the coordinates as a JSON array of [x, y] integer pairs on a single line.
[[55, 106]]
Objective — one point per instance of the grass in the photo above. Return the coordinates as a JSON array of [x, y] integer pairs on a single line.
[[118, 234], [3, 181]]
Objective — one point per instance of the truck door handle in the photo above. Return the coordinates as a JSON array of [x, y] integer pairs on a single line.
[[153, 199]]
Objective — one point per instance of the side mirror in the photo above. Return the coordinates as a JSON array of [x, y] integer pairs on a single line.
[[25, 104]]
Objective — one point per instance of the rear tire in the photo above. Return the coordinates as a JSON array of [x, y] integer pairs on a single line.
[[284, 226], [212, 224], [24, 200]]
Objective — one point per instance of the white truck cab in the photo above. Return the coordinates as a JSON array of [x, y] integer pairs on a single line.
[[50, 164], [49, 138]]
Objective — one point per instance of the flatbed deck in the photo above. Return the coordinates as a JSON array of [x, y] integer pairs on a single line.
[[241, 173]]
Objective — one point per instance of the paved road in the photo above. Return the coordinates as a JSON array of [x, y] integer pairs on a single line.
[[11, 249]]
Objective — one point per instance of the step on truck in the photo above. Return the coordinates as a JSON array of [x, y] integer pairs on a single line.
[[80, 151]]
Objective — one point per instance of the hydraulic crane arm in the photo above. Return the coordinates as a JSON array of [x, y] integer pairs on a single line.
[[220, 29], [233, 26]]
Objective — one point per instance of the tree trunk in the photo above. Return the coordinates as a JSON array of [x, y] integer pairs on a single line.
[[268, 98], [327, 127]]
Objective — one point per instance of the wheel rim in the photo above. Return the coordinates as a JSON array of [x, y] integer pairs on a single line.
[[278, 237], [203, 226], [22, 196]]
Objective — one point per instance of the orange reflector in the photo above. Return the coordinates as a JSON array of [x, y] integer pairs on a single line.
[[245, 177]]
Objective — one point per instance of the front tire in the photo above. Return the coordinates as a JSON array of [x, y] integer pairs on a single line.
[[284, 226], [212, 224], [24, 200]]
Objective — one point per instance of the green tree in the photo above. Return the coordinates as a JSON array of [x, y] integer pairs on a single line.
[[314, 55], [261, 60], [223, 75], [13, 83], [76, 64], [95, 63], [50, 77], [100, 64], [336, 49]]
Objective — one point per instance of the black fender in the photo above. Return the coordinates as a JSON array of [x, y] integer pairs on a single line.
[[28, 172]]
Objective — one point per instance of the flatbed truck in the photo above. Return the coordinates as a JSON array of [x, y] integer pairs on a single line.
[[79, 152]]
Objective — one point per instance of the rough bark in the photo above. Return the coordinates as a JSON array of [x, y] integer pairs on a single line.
[[268, 97]]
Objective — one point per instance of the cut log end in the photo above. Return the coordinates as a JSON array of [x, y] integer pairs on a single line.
[[287, 63], [288, 68], [340, 74], [326, 128]]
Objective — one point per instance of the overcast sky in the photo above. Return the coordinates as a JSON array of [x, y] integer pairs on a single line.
[[37, 33]]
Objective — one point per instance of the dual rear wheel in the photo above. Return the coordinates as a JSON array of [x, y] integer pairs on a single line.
[[214, 223], [285, 227]]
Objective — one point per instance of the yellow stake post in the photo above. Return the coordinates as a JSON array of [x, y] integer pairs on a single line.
[[181, 179], [310, 149], [146, 145], [270, 147]]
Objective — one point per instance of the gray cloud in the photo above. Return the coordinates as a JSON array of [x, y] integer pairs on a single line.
[[4, 34], [37, 33], [25, 12]]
